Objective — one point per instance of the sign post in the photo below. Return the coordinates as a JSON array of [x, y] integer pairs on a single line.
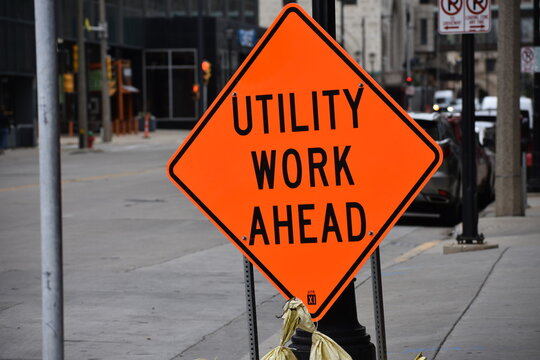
[[469, 232], [467, 17], [295, 162]]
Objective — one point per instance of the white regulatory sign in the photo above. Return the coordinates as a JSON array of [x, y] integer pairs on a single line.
[[464, 16]]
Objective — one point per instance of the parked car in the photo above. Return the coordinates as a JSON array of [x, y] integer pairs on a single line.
[[442, 194], [485, 156]]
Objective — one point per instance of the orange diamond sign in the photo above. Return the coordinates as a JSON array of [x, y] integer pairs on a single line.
[[304, 162]]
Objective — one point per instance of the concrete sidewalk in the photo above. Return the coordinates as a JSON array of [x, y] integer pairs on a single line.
[[470, 305], [134, 262]]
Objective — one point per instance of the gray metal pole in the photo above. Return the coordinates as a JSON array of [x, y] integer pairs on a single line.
[[105, 99], [81, 79], [378, 304], [50, 191], [508, 192], [251, 310]]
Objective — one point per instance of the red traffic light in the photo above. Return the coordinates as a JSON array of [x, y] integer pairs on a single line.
[[409, 79], [205, 65]]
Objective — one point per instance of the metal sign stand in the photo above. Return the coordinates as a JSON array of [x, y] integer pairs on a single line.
[[378, 306], [251, 310]]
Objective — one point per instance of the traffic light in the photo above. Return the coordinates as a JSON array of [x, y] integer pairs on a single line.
[[109, 68], [409, 80], [195, 92], [75, 52], [206, 67]]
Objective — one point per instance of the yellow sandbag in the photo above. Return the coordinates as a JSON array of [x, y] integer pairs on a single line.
[[296, 315], [324, 348], [280, 353], [290, 323]]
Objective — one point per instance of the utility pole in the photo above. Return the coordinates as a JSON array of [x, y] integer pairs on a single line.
[[508, 182], [49, 182], [534, 184], [81, 79], [105, 99]]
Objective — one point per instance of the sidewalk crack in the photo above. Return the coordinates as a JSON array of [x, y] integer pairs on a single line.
[[470, 303]]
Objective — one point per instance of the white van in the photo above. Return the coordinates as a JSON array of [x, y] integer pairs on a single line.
[[489, 103], [442, 99]]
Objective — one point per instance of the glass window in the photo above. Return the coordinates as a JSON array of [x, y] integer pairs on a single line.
[[157, 58], [183, 58], [527, 29], [157, 92], [490, 65], [183, 102], [423, 31]]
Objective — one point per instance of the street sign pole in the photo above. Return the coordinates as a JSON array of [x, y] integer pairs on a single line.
[[251, 310], [49, 182], [378, 304], [341, 321], [470, 207]]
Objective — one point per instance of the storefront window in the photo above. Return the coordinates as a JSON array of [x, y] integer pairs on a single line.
[[170, 75]]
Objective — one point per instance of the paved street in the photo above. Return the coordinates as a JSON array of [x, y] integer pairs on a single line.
[[147, 276]]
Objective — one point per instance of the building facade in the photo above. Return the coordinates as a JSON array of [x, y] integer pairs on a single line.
[[160, 44]]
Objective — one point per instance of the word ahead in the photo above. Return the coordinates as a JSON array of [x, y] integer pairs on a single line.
[[295, 222]]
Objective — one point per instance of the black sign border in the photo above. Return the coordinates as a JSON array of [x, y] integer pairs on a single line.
[[292, 9]]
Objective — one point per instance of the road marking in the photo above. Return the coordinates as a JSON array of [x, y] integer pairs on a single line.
[[83, 179], [416, 251]]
